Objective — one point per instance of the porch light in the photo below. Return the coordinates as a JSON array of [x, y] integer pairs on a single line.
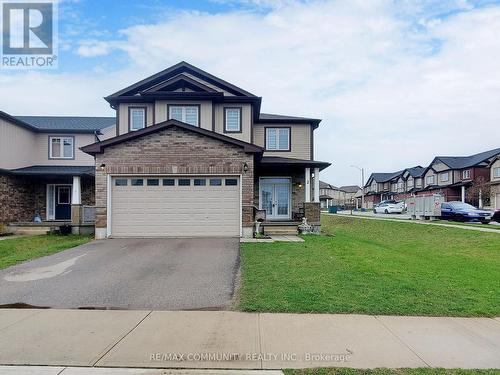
[[245, 167], [299, 185], [102, 167]]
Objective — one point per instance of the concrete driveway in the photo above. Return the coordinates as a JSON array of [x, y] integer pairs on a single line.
[[159, 274]]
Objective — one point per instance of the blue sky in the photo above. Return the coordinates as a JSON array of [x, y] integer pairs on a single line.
[[395, 82]]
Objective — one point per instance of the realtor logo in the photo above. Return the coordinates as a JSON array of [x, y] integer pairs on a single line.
[[29, 34]]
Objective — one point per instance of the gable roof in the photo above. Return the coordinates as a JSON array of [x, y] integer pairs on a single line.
[[174, 70], [326, 185], [350, 188], [385, 177], [416, 172], [460, 162], [74, 124], [98, 147]]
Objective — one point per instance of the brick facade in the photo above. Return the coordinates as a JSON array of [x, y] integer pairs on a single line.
[[22, 197], [174, 151]]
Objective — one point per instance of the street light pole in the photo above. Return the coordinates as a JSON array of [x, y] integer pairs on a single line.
[[362, 184]]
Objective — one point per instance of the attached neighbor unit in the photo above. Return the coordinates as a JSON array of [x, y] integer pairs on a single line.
[[175, 206]]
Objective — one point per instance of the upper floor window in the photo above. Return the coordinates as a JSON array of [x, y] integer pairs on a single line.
[[466, 174], [190, 114], [430, 180], [232, 120], [444, 177], [409, 183], [496, 172], [61, 147], [278, 139], [137, 118]]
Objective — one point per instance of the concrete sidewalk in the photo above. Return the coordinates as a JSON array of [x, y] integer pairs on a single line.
[[479, 228], [233, 340]]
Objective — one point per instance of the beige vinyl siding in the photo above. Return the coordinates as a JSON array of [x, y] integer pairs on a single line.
[[496, 164], [80, 157], [17, 146], [205, 117], [428, 174], [300, 140], [439, 167], [246, 120], [444, 183], [123, 115]]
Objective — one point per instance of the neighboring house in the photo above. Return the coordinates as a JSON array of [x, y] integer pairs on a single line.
[[495, 183], [378, 187], [42, 169], [459, 178], [331, 195], [350, 192], [194, 156]]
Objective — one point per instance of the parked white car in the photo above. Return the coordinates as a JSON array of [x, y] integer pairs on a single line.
[[389, 208]]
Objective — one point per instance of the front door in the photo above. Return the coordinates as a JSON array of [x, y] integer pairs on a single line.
[[63, 202], [275, 198]]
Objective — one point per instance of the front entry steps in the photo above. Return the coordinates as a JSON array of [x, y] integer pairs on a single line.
[[280, 227]]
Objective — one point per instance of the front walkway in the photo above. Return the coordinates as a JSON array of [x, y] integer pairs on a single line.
[[406, 219], [224, 339]]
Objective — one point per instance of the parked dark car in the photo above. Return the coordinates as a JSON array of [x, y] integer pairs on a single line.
[[496, 216], [459, 211]]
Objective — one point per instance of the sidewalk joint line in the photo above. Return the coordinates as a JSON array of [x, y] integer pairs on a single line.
[[121, 339], [23, 319], [260, 341], [401, 340]]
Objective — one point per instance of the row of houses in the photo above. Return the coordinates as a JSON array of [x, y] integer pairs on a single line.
[[330, 195], [473, 179]]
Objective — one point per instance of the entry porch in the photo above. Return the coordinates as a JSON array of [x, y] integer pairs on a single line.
[[286, 191]]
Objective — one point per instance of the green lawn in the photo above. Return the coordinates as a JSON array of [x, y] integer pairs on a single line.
[[418, 371], [20, 249], [375, 267]]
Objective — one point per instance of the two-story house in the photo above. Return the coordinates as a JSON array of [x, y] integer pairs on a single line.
[[194, 156], [453, 176], [380, 186], [330, 195], [495, 183], [43, 172]]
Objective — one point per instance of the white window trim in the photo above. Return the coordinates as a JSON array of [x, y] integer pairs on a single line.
[[141, 109], [61, 139], [496, 172], [226, 111], [277, 129], [441, 177], [466, 174], [429, 178], [183, 109]]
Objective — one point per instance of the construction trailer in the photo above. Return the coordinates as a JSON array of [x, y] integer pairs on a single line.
[[425, 208]]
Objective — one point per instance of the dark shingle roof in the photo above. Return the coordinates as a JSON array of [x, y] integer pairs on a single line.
[[67, 123], [416, 171], [384, 177], [263, 117], [269, 160], [459, 162], [59, 170]]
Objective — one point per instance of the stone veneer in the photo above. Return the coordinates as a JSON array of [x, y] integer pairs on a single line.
[[21, 197], [174, 151]]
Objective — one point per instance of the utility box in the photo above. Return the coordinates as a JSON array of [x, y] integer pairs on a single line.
[[428, 207]]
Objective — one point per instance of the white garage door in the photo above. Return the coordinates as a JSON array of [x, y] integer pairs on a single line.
[[498, 201], [152, 206]]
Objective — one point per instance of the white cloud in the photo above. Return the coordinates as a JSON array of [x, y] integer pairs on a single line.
[[94, 48], [393, 90]]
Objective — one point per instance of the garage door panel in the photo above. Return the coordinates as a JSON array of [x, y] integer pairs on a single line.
[[158, 211]]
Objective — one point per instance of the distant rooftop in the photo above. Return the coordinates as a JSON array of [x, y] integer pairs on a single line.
[[65, 123]]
